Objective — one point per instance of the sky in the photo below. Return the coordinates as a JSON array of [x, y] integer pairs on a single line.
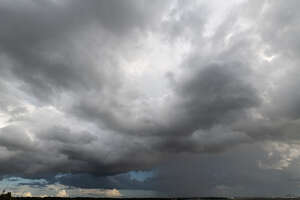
[[136, 98]]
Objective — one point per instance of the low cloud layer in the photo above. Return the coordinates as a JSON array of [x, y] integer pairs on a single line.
[[93, 90]]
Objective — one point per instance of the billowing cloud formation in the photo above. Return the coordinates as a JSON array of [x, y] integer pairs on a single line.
[[96, 89]]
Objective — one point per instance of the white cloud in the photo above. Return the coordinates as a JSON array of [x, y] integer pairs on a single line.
[[98, 192], [112, 193], [280, 155], [27, 194], [62, 193]]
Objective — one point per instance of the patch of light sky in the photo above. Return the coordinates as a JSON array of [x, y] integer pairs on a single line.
[[141, 175], [21, 187], [12, 182]]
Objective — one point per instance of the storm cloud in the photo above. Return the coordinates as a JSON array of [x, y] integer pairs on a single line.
[[93, 91]]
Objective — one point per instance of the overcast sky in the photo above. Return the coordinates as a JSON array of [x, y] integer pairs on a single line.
[[149, 98]]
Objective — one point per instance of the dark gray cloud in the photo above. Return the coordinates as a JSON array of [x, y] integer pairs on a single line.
[[41, 39], [75, 97], [230, 173], [212, 95], [13, 138]]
